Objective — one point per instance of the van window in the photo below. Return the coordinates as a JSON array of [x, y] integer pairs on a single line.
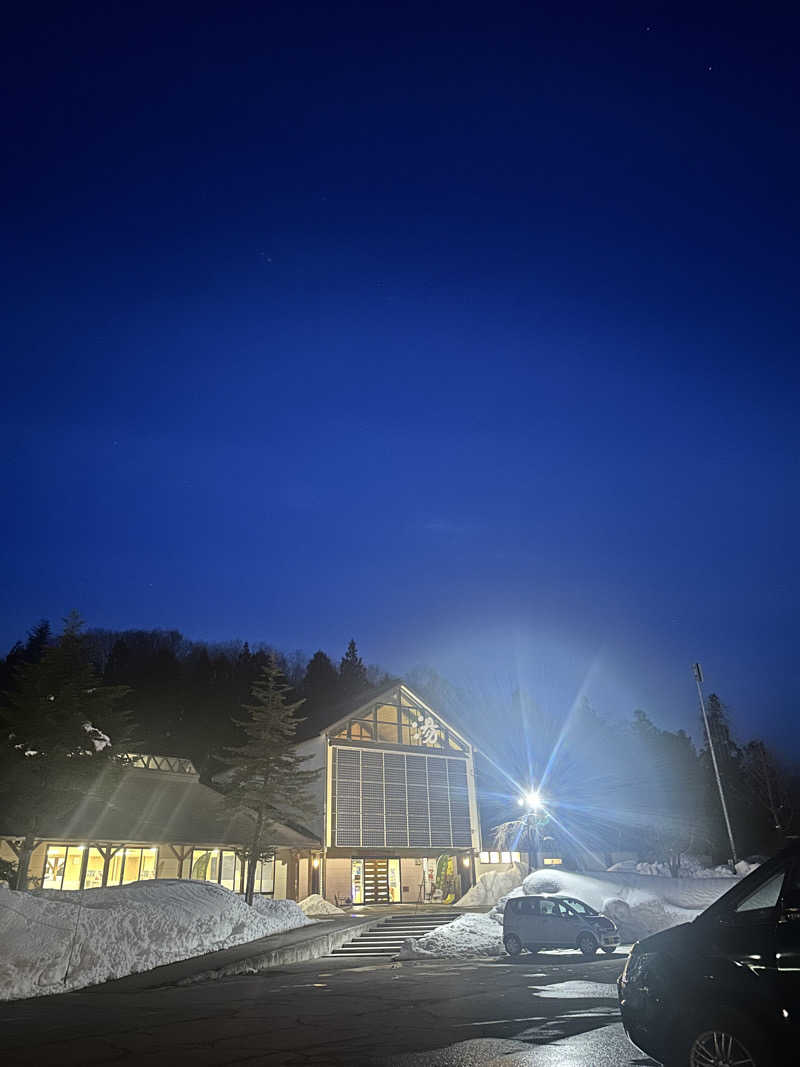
[[550, 907]]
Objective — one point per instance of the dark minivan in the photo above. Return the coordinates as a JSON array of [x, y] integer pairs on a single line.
[[724, 990]]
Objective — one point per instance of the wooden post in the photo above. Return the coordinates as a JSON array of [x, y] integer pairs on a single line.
[[180, 856], [84, 864]]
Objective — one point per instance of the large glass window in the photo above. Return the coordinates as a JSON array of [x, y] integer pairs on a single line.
[[54, 866], [404, 724], [132, 865], [205, 864], [62, 867], [94, 869], [265, 876], [230, 871], [222, 866]]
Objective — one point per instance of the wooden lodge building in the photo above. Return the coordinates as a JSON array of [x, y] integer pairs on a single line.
[[395, 795]]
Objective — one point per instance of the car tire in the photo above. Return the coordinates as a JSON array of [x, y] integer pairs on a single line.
[[534, 948], [724, 1041], [513, 945], [610, 950], [588, 944]]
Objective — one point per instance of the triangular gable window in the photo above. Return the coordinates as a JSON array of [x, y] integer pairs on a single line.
[[397, 720]]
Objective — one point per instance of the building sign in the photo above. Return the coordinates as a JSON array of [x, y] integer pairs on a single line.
[[426, 731]]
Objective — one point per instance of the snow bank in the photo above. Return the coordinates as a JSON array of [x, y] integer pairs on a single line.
[[639, 904], [317, 905], [468, 935], [493, 885], [691, 867], [123, 929]]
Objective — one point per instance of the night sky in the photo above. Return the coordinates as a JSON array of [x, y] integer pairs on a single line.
[[469, 331]]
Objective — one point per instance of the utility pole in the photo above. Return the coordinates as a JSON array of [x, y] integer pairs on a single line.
[[698, 677]]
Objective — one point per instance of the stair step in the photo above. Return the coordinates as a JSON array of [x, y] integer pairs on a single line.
[[386, 938]]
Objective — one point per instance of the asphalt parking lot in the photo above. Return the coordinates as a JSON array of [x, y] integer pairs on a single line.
[[553, 1008]]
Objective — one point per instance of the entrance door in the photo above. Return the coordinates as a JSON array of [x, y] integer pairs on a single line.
[[376, 881]]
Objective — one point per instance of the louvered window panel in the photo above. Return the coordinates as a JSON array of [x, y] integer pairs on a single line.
[[395, 803], [385, 799], [417, 791], [459, 803]]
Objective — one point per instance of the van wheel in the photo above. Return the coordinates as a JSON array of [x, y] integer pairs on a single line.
[[587, 944], [513, 945], [610, 950]]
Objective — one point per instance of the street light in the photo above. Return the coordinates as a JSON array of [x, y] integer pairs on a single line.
[[535, 812]]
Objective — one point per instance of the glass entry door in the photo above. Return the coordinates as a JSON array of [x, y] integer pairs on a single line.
[[376, 881]]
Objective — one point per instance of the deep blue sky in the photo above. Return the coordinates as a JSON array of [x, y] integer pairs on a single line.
[[468, 331]]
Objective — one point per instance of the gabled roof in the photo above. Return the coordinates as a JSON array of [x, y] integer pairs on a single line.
[[348, 709]]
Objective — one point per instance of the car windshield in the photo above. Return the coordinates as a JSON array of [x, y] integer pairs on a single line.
[[578, 906]]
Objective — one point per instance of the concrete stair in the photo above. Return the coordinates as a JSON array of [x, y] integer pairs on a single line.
[[386, 939]]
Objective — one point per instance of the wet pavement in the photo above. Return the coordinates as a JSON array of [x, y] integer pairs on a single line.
[[545, 1010]]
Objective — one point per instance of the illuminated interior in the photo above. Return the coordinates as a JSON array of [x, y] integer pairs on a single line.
[[500, 857], [65, 863], [401, 724]]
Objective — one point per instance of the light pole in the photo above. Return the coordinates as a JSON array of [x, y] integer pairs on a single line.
[[698, 677]]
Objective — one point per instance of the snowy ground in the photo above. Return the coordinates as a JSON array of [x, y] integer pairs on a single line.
[[97, 934], [640, 904]]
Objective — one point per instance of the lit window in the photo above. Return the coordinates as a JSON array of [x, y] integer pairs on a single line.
[[230, 872], [94, 869], [72, 867], [505, 857], [494, 857], [149, 864], [131, 865], [516, 857], [54, 866], [484, 857], [205, 865]]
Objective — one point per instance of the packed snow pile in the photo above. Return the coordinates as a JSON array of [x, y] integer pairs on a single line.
[[691, 867], [317, 906], [493, 885], [639, 904], [468, 935], [123, 929]]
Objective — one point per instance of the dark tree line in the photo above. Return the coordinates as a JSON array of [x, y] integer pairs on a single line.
[[185, 695], [619, 785]]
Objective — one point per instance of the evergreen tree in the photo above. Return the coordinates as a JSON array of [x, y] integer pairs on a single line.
[[63, 736], [267, 782], [352, 672], [320, 688], [39, 640]]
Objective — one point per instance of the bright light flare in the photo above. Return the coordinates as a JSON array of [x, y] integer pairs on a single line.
[[533, 800]]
